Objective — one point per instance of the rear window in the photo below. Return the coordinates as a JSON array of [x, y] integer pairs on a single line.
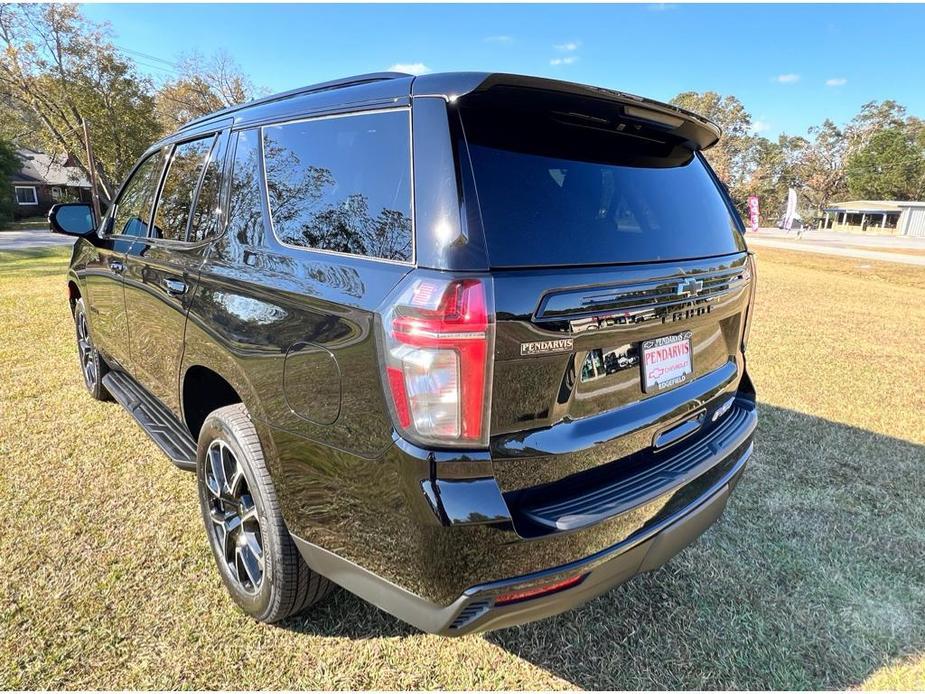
[[557, 188]]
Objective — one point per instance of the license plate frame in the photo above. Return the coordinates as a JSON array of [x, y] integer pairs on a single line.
[[680, 363]]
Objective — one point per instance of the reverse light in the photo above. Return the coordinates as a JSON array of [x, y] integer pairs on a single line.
[[438, 342]]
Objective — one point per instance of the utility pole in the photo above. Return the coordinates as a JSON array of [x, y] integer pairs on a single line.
[[91, 165]]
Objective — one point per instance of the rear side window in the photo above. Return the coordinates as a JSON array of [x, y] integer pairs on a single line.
[[207, 203], [183, 173], [245, 218], [342, 184], [554, 189]]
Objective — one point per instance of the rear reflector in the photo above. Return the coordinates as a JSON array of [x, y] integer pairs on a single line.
[[399, 396], [530, 593]]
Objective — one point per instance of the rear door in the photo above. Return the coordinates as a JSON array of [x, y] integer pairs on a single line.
[[620, 277], [162, 268]]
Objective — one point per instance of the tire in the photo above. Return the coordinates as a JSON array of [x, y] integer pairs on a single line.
[[256, 557], [92, 365]]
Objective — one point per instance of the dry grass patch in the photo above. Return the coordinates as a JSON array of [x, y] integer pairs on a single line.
[[814, 578]]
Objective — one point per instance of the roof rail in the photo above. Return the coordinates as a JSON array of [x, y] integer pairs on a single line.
[[319, 87]]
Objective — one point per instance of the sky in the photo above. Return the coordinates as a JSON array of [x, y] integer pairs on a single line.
[[792, 66]]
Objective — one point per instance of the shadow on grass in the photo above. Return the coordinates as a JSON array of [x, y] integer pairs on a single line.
[[345, 615], [813, 578]]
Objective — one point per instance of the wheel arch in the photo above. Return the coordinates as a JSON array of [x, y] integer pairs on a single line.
[[202, 391], [73, 291]]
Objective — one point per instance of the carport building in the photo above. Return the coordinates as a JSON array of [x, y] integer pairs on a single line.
[[895, 217]]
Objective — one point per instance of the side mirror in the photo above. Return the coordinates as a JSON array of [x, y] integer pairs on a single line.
[[72, 218]]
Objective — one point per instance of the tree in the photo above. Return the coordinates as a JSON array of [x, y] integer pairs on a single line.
[[57, 69], [205, 85], [768, 178], [890, 166], [733, 157], [821, 165], [9, 165], [872, 118]]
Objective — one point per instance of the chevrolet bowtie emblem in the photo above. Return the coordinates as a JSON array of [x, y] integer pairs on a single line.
[[689, 287]]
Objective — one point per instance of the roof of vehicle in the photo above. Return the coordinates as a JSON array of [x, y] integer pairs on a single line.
[[453, 85]]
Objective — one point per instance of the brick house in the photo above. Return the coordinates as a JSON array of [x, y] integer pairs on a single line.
[[44, 180]]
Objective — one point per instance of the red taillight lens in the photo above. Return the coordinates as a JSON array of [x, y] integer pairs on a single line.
[[753, 283], [438, 341], [530, 593]]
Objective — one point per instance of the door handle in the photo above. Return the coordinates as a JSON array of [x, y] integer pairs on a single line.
[[175, 287], [116, 266]]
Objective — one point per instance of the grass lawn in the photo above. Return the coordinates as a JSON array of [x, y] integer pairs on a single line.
[[26, 223], [814, 578]]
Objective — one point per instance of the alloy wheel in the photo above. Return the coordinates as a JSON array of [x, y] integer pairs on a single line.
[[233, 513], [85, 350]]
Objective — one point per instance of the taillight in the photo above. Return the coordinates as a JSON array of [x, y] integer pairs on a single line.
[[753, 284], [438, 341]]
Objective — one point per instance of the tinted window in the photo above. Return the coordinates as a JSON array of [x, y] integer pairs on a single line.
[[207, 204], [552, 192], [134, 207], [245, 221], [342, 184], [176, 199]]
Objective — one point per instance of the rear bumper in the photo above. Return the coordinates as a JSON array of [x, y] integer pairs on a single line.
[[463, 553]]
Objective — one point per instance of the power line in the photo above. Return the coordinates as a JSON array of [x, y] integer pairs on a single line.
[[145, 60], [147, 56]]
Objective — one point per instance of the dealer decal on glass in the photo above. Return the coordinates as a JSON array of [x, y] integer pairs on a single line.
[[666, 361]]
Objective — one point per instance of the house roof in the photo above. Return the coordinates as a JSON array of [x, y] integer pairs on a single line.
[[38, 167]]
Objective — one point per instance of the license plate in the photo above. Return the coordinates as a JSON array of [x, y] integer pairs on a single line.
[[666, 361]]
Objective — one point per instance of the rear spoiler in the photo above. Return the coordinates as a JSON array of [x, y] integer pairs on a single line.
[[700, 132]]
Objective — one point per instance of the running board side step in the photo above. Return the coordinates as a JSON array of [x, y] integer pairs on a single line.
[[168, 432]]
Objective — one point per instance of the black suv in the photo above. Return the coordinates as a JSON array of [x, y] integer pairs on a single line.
[[471, 346]]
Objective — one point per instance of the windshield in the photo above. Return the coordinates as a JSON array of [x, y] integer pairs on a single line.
[[554, 191]]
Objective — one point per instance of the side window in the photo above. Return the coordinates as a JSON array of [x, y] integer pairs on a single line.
[[176, 201], [134, 205], [245, 216], [342, 184], [207, 203]]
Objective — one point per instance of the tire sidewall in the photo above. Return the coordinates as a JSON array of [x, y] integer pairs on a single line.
[[217, 427]]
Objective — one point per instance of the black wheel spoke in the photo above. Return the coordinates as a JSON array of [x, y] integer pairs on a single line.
[[249, 563], [253, 545], [248, 510], [215, 477], [85, 351]]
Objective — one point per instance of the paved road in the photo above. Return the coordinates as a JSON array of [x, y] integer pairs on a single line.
[[759, 241], [844, 240], [32, 238]]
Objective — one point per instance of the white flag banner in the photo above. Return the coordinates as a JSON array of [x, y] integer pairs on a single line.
[[791, 212]]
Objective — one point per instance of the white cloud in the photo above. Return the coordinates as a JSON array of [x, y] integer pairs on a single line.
[[760, 126], [567, 47], [788, 78], [502, 39], [836, 82], [661, 7], [410, 68], [567, 60]]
